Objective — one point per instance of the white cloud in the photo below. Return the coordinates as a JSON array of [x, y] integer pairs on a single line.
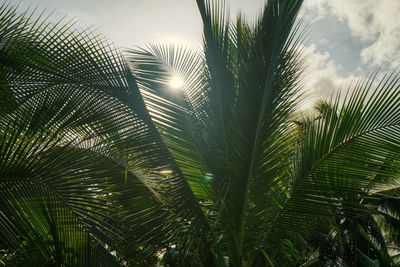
[[324, 77], [376, 23]]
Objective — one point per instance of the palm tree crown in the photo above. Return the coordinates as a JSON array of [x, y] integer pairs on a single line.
[[101, 164]]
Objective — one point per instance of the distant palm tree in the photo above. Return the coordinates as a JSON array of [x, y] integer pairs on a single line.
[[102, 164]]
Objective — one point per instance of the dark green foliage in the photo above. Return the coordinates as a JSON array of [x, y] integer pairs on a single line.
[[101, 164]]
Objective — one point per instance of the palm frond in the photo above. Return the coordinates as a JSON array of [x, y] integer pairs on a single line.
[[79, 131]]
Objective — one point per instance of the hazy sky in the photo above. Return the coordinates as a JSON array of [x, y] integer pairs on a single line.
[[348, 38]]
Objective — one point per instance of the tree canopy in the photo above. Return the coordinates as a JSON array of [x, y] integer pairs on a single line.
[[102, 164]]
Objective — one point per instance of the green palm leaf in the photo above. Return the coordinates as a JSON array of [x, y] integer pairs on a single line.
[[99, 154], [78, 130]]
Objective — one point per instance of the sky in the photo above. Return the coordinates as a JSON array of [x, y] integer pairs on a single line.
[[347, 39]]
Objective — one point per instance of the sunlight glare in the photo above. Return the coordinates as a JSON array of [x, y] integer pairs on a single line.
[[176, 82], [166, 171]]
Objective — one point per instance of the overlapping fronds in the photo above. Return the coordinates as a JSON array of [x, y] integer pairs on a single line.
[[80, 157], [346, 155], [232, 113], [98, 155], [267, 189]]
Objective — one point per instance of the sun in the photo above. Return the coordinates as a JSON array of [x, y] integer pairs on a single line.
[[176, 82]]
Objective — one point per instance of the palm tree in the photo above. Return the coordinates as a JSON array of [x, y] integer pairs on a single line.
[[79, 153], [101, 165]]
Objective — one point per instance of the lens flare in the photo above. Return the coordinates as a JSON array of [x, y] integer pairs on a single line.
[[176, 82]]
